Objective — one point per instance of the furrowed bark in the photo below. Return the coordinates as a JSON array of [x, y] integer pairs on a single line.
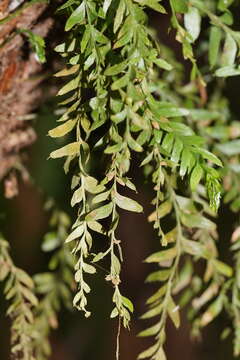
[[20, 90]]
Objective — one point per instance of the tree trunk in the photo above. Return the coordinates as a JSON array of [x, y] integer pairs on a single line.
[[19, 90]]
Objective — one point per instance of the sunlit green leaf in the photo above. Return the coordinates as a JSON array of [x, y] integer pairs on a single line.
[[63, 129], [173, 312], [223, 268], [77, 17], [100, 213], [67, 150], [162, 255], [75, 234], [196, 176], [214, 45], [192, 21], [127, 203]]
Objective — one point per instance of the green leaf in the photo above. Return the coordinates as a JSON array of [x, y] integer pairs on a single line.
[[99, 256], [154, 4], [210, 156], [229, 51], [171, 236], [121, 82], [89, 61], [229, 148], [127, 203], [91, 185], [202, 114], [101, 197], [63, 129], [133, 144], [227, 18], [125, 39], [179, 6], [168, 110], [149, 352], [158, 295], [77, 197], [67, 4], [162, 255], [67, 71], [177, 150], [75, 181], [115, 265], [120, 116], [71, 85], [77, 17], [161, 354], [106, 5], [182, 129], [147, 159], [192, 22], [185, 161], [29, 296], [60, 48], [213, 191], [160, 275], [95, 226], [100, 38], [224, 4], [222, 268], [116, 69], [173, 312], [37, 43], [113, 148], [138, 120], [119, 15], [163, 64], [214, 45], [100, 213], [164, 209], [24, 278], [51, 242], [75, 234], [4, 271], [89, 268], [67, 150], [195, 248], [127, 303], [114, 313], [153, 330], [196, 176], [227, 71], [212, 312], [197, 220], [86, 38], [153, 312], [167, 143]]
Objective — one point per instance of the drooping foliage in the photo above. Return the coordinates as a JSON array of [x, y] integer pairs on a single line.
[[128, 102]]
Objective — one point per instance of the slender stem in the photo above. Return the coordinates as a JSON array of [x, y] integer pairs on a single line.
[[118, 339]]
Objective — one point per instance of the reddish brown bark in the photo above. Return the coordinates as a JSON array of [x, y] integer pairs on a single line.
[[20, 92]]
